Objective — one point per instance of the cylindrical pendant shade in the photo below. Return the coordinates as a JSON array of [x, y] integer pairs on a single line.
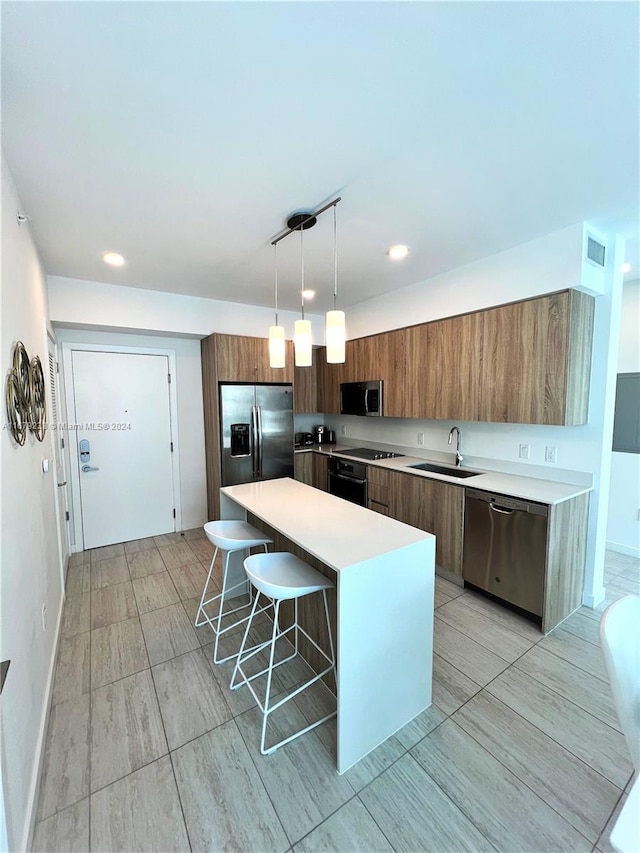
[[302, 343], [335, 335], [276, 346]]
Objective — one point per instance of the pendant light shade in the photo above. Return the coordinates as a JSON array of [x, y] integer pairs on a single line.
[[276, 333], [302, 343], [276, 346], [335, 334]]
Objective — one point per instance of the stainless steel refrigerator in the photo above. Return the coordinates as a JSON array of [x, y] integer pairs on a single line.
[[256, 432]]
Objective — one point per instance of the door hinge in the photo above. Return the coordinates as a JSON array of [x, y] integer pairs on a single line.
[[62, 443], [172, 447], [174, 513], [57, 367], [66, 515], [169, 378]]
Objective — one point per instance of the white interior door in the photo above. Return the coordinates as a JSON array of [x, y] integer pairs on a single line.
[[57, 437], [123, 445]]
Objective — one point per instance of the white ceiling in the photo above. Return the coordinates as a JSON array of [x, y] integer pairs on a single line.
[[183, 134]]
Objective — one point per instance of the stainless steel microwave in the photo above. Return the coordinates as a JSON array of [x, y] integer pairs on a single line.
[[361, 398]]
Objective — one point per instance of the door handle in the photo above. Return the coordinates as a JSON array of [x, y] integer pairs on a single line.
[[500, 510], [86, 468], [60, 485]]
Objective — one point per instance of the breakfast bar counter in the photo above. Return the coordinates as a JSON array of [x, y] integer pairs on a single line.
[[384, 576]]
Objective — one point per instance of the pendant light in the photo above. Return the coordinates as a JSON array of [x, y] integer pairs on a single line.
[[276, 333], [335, 332], [302, 328]]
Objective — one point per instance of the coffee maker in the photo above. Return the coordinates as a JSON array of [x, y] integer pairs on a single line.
[[319, 434]]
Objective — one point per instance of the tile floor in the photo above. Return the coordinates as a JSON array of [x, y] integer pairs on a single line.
[[148, 749]]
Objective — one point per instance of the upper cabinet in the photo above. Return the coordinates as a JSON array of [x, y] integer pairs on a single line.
[[305, 387], [536, 360], [243, 359]]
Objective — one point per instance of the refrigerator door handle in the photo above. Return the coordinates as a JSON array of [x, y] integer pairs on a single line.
[[259, 466], [254, 441]]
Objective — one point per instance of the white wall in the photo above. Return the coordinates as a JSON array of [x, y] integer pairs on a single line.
[[623, 528], [29, 552], [188, 388], [542, 266], [108, 307]]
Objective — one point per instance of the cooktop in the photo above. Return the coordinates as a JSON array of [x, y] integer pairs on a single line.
[[367, 453]]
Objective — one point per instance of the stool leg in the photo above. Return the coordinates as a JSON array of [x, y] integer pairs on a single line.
[[199, 623], [221, 608], [265, 712], [237, 668]]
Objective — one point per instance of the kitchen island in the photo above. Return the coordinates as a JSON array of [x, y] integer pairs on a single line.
[[384, 576]]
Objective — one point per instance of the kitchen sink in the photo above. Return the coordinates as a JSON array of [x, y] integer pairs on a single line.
[[443, 469]]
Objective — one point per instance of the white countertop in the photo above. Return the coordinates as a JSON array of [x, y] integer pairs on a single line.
[[336, 532], [513, 485]]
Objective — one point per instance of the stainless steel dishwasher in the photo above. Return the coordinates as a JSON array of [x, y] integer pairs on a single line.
[[505, 544]]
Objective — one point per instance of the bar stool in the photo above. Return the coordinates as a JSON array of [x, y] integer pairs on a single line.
[[228, 536], [280, 577]]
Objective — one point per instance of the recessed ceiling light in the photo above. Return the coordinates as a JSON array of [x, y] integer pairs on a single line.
[[113, 258], [397, 253], [626, 267], [308, 294]]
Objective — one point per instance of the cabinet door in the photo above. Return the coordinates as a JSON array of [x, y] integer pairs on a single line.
[[263, 372], [303, 468], [236, 358], [320, 470], [432, 506], [398, 372], [305, 387], [524, 359], [329, 377]]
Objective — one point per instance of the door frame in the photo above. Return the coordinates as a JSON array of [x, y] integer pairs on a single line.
[[58, 453], [73, 463]]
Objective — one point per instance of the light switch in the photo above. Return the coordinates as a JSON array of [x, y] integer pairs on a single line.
[[45, 466]]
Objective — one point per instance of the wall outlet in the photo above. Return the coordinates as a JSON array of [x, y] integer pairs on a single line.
[[524, 451], [343, 429], [551, 454], [44, 617], [420, 439]]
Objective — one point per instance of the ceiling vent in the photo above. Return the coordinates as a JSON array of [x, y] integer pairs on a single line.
[[595, 252]]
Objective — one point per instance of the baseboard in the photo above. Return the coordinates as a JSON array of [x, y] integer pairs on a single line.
[[595, 599], [623, 549], [30, 823]]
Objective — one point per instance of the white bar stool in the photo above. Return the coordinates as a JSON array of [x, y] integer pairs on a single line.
[[228, 536], [282, 576]]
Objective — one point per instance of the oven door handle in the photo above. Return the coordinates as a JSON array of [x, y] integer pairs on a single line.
[[348, 479]]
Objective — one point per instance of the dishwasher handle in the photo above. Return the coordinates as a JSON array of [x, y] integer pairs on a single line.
[[500, 509]]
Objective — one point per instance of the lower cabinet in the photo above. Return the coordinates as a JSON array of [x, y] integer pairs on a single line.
[[303, 468], [320, 471], [433, 506]]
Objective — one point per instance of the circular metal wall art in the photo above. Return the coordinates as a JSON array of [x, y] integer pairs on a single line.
[[25, 396]]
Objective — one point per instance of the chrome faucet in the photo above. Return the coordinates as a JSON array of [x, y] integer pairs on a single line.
[[459, 456]]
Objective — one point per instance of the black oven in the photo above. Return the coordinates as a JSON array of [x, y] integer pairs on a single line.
[[348, 480]]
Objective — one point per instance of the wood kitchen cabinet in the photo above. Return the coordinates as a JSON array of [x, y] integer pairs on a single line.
[[320, 468], [536, 360], [329, 377], [305, 387], [303, 468], [433, 506], [243, 359]]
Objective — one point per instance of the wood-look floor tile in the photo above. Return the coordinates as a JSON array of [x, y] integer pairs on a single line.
[[148, 812], [178, 555], [189, 580], [65, 772], [582, 796], [78, 579], [440, 598], [420, 726], [445, 587], [575, 650], [168, 633], [126, 728], [168, 539], [506, 811], [135, 546], [143, 563], [154, 592], [580, 624], [224, 802], [107, 552], [109, 572], [73, 668], [204, 633], [112, 604], [76, 614], [194, 533], [410, 808], [503, 616], [79, 558], [65, 832], [117, 651], [625, 583], [191, 702], [500, 640], [450, 687], [351, 830], [597, 744], [301, 777], [203, 549], [468, 656], [604, 842], [239, 700], [590, 693]]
